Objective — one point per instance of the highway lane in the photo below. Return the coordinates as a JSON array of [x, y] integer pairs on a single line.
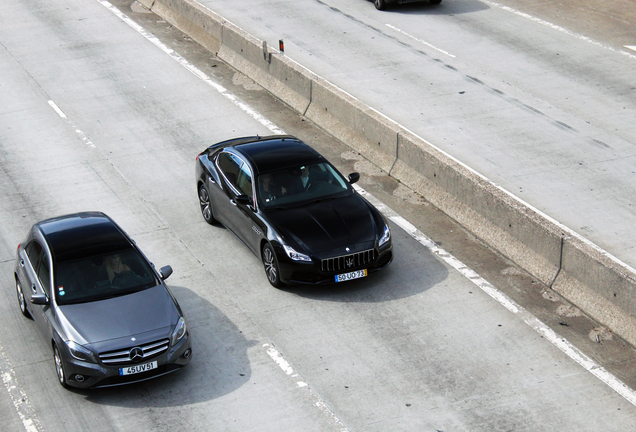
[[538, 97], [94, 116]]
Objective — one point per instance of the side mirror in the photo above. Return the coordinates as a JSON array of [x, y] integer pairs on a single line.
[[165, 272], [39, 299], [243, 200], [354, 177]]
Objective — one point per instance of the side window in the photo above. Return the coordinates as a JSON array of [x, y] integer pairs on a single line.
[[33, 250], [230, 166], [244, 181], [44, 274]]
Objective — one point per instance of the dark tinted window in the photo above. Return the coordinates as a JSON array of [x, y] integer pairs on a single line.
[[44, 274], [102, 276], [230, 165], [33, 250], [300, 185], [244, 181]]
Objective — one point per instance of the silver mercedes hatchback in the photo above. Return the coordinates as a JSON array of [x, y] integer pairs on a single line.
[[104, 310]]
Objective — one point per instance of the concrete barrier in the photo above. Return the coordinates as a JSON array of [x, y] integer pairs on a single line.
[[489, 212], [195, 20], [599, 284], [288, 75], [279, 75], [354, 123]]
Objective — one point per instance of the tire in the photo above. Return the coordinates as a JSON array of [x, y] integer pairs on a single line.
[[206, 205], [59, 367], [380, 4], [270, 263], [435, 1], [21, 299]]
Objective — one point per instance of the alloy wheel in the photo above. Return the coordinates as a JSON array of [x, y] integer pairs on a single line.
[[204, 202], [271, 266], [59, 367], [21, 300]]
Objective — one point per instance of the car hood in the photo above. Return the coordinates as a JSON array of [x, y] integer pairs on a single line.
[[327, 224], [118, 317]]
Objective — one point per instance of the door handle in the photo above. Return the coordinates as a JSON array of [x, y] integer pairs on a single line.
[[34, 288], [22, 263]]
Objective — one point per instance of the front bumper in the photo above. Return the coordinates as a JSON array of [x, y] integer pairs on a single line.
[[294, 272], [82, 374]]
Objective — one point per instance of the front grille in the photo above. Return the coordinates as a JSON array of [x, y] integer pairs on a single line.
[[122, 356], [348, 262]]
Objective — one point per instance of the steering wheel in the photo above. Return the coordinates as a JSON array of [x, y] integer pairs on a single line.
[[121, 276], [314, 186]]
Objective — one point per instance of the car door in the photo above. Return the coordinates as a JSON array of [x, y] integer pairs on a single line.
[[38, 280], [229, 166], [26, 273], [245, 219]]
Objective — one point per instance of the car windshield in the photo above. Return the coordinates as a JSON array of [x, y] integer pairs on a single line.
[[300, 185], [103, 276]]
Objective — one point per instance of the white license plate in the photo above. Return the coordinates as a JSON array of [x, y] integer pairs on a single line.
[[138, 368], [353, 275]]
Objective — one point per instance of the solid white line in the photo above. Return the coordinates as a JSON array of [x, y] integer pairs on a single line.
[[556, 27], [420, 40], [193, 69], [631, 47], [566, 347]]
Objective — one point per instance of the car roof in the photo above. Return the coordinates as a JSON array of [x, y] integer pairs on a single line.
[[82, 234], [272, 153]]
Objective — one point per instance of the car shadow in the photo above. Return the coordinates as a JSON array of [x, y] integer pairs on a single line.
[[413, 271], [446, 7], [219, 364]]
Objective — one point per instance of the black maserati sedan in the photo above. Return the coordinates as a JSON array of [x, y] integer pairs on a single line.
[[293, 209], [104, 311], [382, 4]]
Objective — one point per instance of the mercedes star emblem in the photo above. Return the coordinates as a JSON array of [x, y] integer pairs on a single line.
[[136, 354]]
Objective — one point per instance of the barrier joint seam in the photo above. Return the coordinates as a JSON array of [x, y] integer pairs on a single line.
[[311, 96], [560, 263], [397, 152]]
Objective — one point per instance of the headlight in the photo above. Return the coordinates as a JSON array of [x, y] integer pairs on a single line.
[[81, 353], [386, 236], [179, 331], [296, 256]]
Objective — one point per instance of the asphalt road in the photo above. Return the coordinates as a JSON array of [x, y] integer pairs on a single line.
[[539, 97], [94, 116]]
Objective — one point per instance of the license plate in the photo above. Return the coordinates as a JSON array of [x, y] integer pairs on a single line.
[[138, 368], [349, 276]]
